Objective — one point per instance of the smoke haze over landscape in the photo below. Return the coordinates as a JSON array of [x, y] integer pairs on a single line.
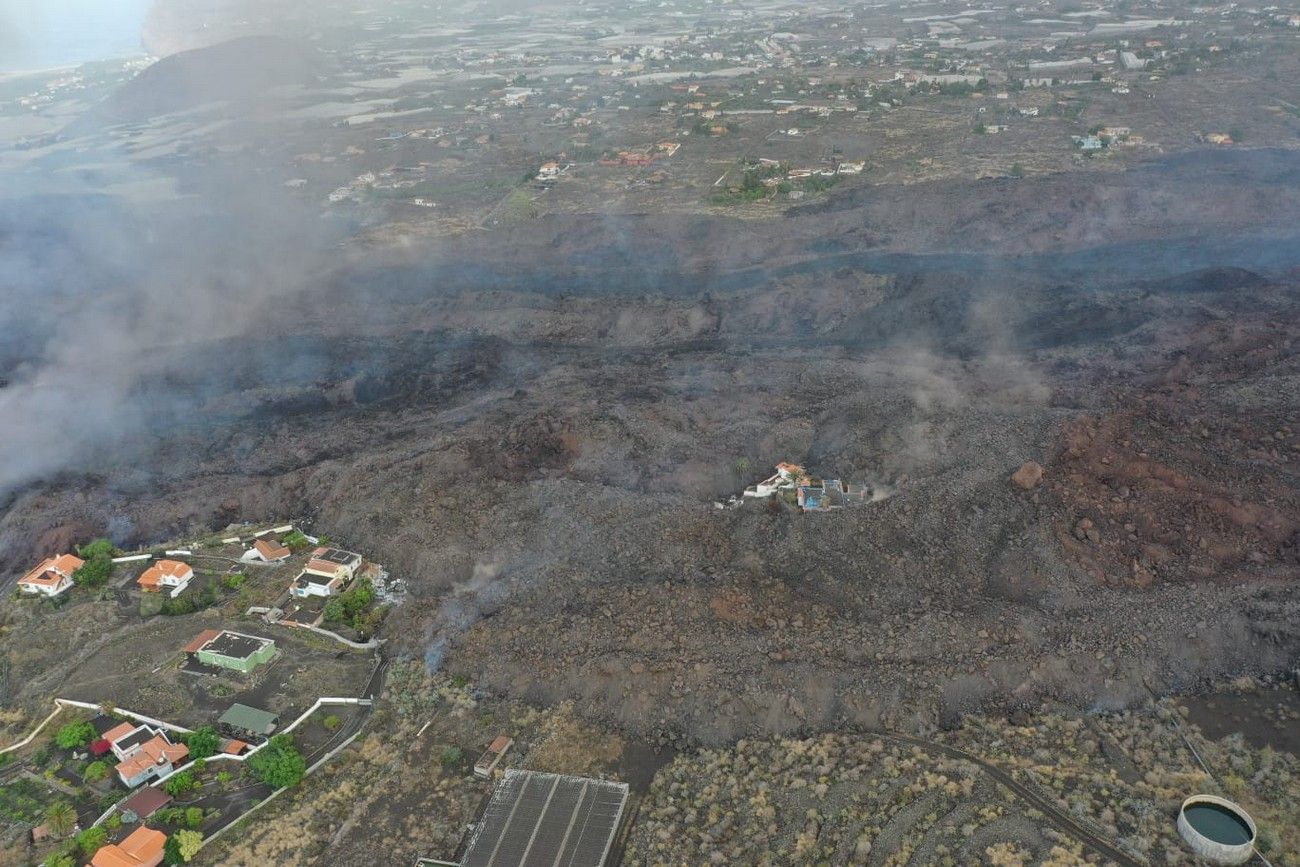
[[522, 304]]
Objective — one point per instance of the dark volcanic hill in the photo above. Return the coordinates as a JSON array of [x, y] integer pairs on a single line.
[[244, 71]]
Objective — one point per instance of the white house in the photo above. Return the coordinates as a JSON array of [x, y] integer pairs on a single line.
[[787, 476], [327, 573], [143, 754], [266, 551], [172, 574], [51, 578], [333, 563]]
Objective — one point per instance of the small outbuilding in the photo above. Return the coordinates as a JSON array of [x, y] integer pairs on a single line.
[[241, 720], [145, 802]]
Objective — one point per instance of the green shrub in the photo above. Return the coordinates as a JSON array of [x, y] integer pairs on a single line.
[[98, 567], [178, 784], [452, 756], [187, 845], [203, 742], [60, 819], [75, 735], [278, 764], [171, 815], [91, 839], [331, 722], [179, 606], [95, 771]]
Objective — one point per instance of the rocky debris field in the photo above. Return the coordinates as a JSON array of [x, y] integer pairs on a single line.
[[869, 799], [540, 458]]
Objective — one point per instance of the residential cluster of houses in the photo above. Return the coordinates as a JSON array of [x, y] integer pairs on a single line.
[[328, 572], [644, 157], [811, 493], [53, 576]]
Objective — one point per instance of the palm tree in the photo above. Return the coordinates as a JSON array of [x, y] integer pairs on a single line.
[[60, 819]]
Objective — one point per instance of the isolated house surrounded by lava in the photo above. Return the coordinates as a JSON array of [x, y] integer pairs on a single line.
[[812, 494]]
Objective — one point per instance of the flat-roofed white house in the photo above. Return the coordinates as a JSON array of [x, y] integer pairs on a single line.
[[327, 573]]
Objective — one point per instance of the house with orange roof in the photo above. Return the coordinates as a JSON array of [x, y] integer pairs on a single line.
[[266, 551], [166, 573], [143, 847], [53, 577], [201, 640], [125, 739], [154, 758]]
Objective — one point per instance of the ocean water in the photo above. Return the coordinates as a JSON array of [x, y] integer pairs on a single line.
[[43, 34]]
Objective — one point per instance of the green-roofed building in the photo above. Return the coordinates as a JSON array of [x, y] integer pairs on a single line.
[[245, 721], [236, 651]]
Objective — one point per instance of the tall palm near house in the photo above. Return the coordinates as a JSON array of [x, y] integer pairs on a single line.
[[60, 818]]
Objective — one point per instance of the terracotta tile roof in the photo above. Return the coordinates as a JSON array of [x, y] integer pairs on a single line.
[[53, 570], [201, 639], [152, 752], [143, 847], [119, 731], [48, 578], [68, 563], [234, 747], [501, 744], [154, 575], [271, 550]]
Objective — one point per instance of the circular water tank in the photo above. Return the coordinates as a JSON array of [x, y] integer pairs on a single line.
[[1217, 830]]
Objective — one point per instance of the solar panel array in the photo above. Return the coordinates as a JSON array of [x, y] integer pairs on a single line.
[[547, 820]]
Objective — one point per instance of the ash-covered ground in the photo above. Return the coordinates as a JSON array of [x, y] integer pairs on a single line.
[[533, 427]]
